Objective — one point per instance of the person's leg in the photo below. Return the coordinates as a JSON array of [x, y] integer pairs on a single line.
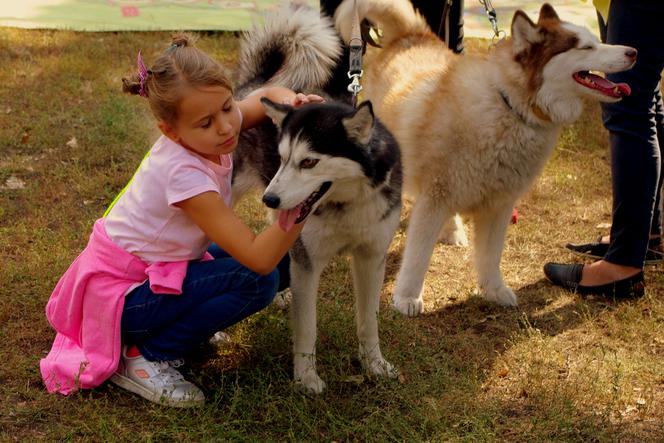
[[445, 18], [432, 11], [601, 23], [656, 228], [635, 156], [216, 294], [329, 6], [451, 28], [283, 267]]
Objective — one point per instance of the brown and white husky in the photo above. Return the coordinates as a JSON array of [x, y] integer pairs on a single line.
[[475, 131]]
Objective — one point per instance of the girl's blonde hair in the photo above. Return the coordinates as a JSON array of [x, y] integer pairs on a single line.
[[181, 65]]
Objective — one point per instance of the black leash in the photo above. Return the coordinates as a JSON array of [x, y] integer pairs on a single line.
[[356, 46]]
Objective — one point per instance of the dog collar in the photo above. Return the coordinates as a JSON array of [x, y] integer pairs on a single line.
[[539, 113]]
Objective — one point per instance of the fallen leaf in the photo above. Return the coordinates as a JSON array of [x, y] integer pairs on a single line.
[[488, 317], [628, 410], [502, 373], [73, 143], [14, 183], [86, 87], [25, 137], [220, 338], [356, 379]]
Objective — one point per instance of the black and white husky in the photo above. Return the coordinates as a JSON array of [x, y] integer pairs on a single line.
[[331, 163]]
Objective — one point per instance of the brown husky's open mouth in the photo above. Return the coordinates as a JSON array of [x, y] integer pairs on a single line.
[[599, 83], [289, 217]]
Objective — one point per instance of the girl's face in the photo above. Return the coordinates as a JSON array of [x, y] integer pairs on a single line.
[[208, 123]]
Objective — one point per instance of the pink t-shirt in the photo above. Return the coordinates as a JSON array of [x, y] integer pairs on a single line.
[[144, 220]]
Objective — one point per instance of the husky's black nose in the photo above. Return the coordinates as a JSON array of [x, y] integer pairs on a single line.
[[271, 201], [631, 53]]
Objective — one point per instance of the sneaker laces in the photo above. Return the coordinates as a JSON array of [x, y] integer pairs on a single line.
[[167, 372], [176, 363]]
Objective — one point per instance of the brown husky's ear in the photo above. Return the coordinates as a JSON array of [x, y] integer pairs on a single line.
[[547, 13], [524, 32], [359, 126], [275, 111]]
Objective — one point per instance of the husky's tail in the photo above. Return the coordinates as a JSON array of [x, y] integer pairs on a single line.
[[295, 47], [396, 18]]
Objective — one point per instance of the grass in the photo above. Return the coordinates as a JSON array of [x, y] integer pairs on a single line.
[[153, 15], [557, 368]]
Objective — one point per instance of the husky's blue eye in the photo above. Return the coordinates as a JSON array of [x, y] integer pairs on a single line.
[[308, 163]]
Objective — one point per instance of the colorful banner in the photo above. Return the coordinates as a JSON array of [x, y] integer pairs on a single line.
[[230, 15]]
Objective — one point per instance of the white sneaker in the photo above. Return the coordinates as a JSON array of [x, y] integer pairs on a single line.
[[157, 381]]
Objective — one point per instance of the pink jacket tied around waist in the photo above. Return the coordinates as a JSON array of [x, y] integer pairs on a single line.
[[85, 309]]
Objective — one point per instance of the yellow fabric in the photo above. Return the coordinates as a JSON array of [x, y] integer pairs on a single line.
[[603, 7], [117, 197]]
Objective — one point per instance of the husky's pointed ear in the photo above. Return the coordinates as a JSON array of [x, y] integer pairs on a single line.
[[359, 126], [277, 112], [524, 32], [547, 13]]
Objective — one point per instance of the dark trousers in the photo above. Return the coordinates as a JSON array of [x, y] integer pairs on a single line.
[[449, 30], [215, 295], [636, 130]]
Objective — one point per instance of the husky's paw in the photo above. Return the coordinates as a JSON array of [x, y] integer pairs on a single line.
[[453, 233], [503, 296], [381, 368], [309, 383], [283, 299], [454, 239], [412, 307]]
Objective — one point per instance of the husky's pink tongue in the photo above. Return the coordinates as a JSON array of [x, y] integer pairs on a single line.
[[608, 85], [287, 218], [624, 88]]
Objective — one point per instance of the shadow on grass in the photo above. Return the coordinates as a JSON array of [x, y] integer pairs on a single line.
[[448, 359]]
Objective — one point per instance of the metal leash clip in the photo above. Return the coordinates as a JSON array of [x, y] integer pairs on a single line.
[[355, 87], [356, 47], [498, 34]]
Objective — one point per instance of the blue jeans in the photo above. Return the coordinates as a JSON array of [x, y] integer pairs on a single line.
[[215, 295], [636, 130]]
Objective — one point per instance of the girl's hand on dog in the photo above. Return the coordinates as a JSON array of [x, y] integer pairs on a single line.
[[302, 99]]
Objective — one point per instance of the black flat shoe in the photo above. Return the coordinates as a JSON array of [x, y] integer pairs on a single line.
[[598, 250], [569, 275]]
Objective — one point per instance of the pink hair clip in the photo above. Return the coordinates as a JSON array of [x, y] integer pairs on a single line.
[[142, 75]]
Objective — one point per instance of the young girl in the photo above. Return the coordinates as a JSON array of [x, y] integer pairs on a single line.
[[150, 277]]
